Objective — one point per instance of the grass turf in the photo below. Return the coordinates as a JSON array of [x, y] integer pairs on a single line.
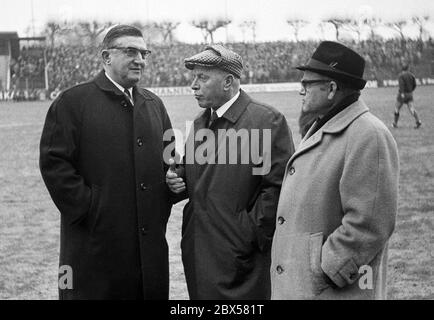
[[29, 228]]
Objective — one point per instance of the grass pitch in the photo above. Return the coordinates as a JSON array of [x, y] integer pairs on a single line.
[[29, 228]]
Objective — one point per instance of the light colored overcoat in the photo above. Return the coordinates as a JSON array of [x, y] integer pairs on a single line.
[[336, 211]]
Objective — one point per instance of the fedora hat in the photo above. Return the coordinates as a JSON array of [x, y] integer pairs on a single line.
[[338, 62]]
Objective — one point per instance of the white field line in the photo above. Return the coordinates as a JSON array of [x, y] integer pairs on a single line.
[[13, 125]]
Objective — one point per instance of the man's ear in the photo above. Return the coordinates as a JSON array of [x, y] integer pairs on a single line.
[[333, 88], [105, 56], [229, 80]]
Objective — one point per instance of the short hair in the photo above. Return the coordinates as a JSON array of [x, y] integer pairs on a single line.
[[405, 66], [118, 31]]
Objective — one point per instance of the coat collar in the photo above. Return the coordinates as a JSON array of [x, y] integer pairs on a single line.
[[344, 118], [106, 85], [237, 108], [232, 114], [335, 125]]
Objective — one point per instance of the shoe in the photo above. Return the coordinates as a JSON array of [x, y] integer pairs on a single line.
[[394, 125], [418, 124]]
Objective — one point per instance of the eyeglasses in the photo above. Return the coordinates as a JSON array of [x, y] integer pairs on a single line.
[[133, 52], [304, 84]]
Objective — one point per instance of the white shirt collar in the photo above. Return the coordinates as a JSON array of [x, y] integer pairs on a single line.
[[118, 85], [221, 111]]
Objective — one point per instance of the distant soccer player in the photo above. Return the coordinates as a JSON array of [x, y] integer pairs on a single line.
[[407, 84]]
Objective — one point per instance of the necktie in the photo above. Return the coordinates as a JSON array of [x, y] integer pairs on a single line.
[[127, 93], [213, 118]]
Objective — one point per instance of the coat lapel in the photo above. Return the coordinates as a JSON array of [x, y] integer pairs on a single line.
[[142, 103], [335, 125], [140, 96], [237, 108], [232, 115], [200, 122], [106, 85], [309, 143]]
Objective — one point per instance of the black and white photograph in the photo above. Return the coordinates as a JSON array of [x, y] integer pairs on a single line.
[[232, 150]]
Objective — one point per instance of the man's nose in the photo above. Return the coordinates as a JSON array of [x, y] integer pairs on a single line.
[[139, 59], [194, 85]]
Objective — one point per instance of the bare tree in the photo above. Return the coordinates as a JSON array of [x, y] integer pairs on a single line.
[[321, 26], [167, 28], [337, 23], [150, 32], [249, 24], [209, 27], [55, 28], [243, 28], [398, 26], [296, 24], [421, 21], [356, 26], [373, 23], [92, 30]]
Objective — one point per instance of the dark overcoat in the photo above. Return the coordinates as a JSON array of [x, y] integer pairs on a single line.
[[229, 221], [102, 162]]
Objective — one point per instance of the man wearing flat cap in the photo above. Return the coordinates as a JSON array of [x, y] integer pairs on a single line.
[[229, 221], [338, 201]]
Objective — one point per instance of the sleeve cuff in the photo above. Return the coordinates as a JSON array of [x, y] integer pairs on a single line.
[[346, 275]]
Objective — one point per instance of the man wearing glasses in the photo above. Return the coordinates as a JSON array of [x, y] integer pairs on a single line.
[[101, 158], [338, 200]]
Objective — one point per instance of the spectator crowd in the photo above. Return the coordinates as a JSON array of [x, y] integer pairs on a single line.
[[265, 62]]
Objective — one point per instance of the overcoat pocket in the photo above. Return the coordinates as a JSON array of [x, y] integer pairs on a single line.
[[93, 213], [297, 272], [318, 276]]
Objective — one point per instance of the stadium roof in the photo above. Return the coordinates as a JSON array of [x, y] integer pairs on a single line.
[[13, 40], [33, 38], [8, 35]]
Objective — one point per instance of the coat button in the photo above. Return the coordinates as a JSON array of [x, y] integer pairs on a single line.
[[279, 269], [281, 220], [143, 231], [291, 170], [143, 186], [124, 104], [139, 142]]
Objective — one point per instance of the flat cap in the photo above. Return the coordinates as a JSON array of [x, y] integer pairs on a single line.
[[217, 56]]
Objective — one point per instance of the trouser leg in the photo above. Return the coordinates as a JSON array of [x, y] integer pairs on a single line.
[[413, 112], [398, 106], [396, 118]]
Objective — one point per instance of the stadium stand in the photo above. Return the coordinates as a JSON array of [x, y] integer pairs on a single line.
[[268, 62]]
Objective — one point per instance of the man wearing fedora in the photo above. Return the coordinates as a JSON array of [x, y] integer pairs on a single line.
[[229, 221], [338, 200]]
